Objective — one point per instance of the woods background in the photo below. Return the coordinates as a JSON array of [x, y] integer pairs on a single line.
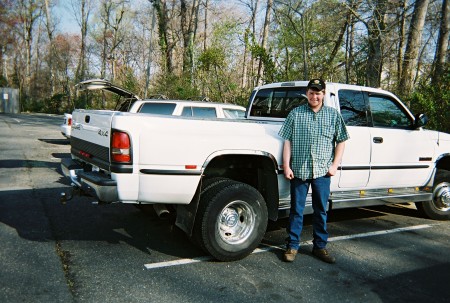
[[191, 49]]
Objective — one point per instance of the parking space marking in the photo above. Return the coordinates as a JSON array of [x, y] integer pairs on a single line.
[[267, 248], [177, 262], [381, 232]]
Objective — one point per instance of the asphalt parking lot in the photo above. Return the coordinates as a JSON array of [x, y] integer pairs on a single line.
[[83, 252]]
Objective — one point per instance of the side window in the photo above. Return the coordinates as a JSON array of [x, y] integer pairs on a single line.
[[233, 113], [202, 112], [277, 102], [157, 108], [387, 113], [353, 107]]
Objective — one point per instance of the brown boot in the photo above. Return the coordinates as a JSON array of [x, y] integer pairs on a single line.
[[289, 254], [323, 255]]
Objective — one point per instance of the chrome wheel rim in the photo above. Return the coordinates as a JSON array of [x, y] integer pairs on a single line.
[[236, 222], [441, 196]]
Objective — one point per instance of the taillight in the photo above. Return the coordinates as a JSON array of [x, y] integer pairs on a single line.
[[120, 147], [69, 121]]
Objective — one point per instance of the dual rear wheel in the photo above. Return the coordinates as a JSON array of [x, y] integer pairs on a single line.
[[231, 219]]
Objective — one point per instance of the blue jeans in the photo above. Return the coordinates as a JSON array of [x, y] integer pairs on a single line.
[[320, 194]]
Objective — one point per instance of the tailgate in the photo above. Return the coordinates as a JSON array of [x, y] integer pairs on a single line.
[[90, 137]]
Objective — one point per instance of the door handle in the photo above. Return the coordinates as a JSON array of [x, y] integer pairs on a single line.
[[377, 140]]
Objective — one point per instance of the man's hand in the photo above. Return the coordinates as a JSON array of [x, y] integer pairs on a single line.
[[288, 173], [332, 170]]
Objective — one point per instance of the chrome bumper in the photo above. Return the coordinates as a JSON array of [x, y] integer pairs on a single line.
[[92, 183]]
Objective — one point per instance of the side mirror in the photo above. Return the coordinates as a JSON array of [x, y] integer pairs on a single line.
[[420, 120]]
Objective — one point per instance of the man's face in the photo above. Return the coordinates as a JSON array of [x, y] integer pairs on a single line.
[[315, 98]]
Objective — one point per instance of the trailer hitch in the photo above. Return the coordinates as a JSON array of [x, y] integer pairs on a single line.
[[67, 196]]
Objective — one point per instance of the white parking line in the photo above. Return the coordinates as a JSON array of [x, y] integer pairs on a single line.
[[267, 248]]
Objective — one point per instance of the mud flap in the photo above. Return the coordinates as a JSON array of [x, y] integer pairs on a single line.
[[186, 213]]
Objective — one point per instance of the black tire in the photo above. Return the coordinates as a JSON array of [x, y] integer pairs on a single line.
[[205, 196], [233, 219], [439, 207], [208, 183]]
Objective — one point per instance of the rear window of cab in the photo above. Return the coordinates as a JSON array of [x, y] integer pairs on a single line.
[[277, 102]]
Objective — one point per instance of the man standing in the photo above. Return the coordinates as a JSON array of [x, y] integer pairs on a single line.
[[314, 137]]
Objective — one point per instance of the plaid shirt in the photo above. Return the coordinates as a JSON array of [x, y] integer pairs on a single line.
[[313, 137]]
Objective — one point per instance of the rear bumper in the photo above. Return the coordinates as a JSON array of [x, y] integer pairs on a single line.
[[97, 184], [66, 130]]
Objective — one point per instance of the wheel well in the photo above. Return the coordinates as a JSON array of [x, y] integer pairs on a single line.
[[444, 163], [255, 170]]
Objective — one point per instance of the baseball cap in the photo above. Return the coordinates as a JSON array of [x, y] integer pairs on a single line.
[[317, 84]]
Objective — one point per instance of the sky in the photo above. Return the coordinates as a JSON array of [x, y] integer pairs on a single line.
[[65, 15]]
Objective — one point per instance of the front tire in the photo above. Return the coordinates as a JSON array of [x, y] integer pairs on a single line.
[[439, 207], [232, 220]]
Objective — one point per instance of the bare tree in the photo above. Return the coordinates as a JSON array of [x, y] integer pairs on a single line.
[[253, 6], [264, 40], [30, 11], [150, 54], [82, 10], [111, 14], [205, 29], [442, 45], [376, 29], [50, 30], [412, 46], [165, 42], [401, 37], [189, 27], [349, 42]]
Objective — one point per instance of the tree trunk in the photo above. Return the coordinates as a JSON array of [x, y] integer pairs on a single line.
[[50, 30], [375, 56], [264, 41], [163, 31], [349, 49], [247, 38], [188, 28], [150, 54], [205, 29], [401, 39], [412, 47], [83, 22], [29, 12], [442, 45], [106, 10]]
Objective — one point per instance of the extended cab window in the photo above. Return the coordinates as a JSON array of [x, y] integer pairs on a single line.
[[353, 107], [158, 108], [202, 112], [277, 102], [387, 113]]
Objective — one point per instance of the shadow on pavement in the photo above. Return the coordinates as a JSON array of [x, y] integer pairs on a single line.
[[37, 215]]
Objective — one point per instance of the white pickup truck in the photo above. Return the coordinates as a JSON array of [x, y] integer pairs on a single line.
[[224, 177]]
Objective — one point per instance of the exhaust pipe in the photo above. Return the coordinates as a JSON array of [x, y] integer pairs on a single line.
[[161, 210]]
